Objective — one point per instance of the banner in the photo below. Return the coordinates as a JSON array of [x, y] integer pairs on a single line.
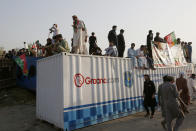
[[167, 56]]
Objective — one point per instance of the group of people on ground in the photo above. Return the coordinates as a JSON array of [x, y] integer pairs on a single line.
[[173, 98]]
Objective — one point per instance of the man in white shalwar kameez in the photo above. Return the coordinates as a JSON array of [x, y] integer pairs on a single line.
[[79, 36], [142, 62], [132, 54], [191, 86]]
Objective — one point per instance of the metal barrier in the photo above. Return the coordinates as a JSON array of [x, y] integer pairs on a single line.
[[6, 63], [7, 73]]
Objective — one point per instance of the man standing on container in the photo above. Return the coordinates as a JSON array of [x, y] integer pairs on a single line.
[[171, 104], [149, 42], [54, 29], [121, 44], [178, 41], [149, 96], [79, 36], [182, 87], [112, 37], [92, 43], [189, 48]]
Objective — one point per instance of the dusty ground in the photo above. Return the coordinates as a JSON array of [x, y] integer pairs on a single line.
[[17, 113]]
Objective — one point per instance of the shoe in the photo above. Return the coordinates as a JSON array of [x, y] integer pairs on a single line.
[[163, 125], [151, 116]]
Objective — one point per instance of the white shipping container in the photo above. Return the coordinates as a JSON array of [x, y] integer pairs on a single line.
[[75, 91]]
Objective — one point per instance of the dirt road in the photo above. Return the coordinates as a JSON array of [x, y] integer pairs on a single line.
[[17, 113], [137, 122]]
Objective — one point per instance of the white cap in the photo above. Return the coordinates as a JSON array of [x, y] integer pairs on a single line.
[[181, 74]]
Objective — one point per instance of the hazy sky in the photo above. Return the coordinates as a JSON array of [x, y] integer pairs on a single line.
[[29, 20]]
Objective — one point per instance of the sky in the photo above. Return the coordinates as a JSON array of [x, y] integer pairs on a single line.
[[29, 20]]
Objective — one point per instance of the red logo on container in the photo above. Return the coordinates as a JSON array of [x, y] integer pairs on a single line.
[[78, 80]]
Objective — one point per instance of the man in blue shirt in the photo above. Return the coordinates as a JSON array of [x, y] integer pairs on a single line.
[[132, 54]]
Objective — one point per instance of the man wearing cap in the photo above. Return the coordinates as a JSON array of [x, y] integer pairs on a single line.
[[112, 37], [121, 44], [79, 36]]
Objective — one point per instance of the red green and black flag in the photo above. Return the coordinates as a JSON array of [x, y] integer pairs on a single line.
[[22, 63], [171, 39]]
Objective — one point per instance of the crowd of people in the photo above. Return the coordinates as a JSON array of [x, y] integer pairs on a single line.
[[142, 58], [187, 50], [173, 98]]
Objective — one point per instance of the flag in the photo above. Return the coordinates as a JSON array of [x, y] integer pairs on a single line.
[[34, 46], [171, 39], [22, 63]]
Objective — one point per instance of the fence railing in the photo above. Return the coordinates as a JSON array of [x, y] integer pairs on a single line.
[[4, 62], [7, 73]]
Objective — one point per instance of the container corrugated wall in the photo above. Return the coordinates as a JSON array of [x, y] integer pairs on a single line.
[[97, 89], [49, 92]]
